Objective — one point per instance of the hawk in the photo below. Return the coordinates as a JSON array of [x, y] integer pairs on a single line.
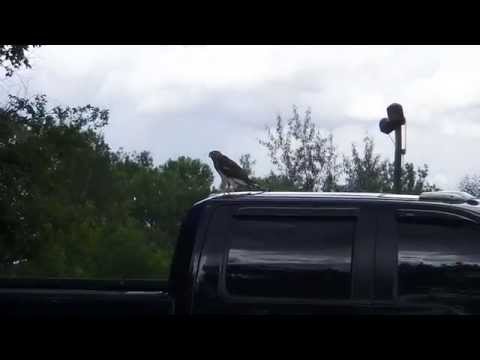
[[232, 174]]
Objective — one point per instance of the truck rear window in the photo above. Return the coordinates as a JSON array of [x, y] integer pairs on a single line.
[[291, 257]]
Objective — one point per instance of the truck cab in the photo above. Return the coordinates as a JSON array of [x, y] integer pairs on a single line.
[[262, 253], [329, 253]]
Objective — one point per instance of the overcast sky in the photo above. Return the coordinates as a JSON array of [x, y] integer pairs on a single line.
[[188, 100]]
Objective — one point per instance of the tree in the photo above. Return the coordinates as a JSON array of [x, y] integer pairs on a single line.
[[299, 152], [159, 197], [365, 172], [471, 185], [247, 163], [274, 182], [412, 181], [333, 169], [309, 162], [51, 166], [271, 182], [70, 207], [369, 173], [12, 57], [183, 182]]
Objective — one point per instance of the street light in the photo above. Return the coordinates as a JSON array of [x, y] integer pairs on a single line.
[[394, 122]]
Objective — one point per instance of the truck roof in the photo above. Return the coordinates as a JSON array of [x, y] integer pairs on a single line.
[[454, 198]]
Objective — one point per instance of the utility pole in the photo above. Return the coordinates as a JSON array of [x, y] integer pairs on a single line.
[[398, 161], [395, 121]]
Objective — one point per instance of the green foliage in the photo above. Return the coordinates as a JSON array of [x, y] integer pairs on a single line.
[[333, 168], [70, 207], [158, 197], [306, 161], [247, 163], [274, 182], [367, 172], [471, 185], [12, 57], [299, 152]]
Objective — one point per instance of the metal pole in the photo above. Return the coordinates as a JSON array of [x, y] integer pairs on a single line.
[[398, 159]]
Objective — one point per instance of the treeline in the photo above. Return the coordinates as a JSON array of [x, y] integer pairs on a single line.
[[471, 184], [306, 160], [71, 207]]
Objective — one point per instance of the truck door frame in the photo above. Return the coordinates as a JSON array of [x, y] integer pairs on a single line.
[[363, 253], [386, 299]]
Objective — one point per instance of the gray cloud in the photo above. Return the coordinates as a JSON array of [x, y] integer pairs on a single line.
[[178, 100]]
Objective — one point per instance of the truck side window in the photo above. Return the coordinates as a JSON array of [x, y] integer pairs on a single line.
[[439, 260], [291, 257]]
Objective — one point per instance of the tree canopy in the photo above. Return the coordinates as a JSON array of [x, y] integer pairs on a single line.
[[304, 158], [13, 57], [471, 184], [71, 207], [367, 172], [307, 161]]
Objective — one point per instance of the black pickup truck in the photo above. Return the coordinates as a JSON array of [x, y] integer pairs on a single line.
[[295, 253]]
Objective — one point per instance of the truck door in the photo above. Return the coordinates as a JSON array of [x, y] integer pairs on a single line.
[[427, 261], [293, 259]]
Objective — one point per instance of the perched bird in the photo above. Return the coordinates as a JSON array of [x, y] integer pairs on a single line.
[[232, 174]]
